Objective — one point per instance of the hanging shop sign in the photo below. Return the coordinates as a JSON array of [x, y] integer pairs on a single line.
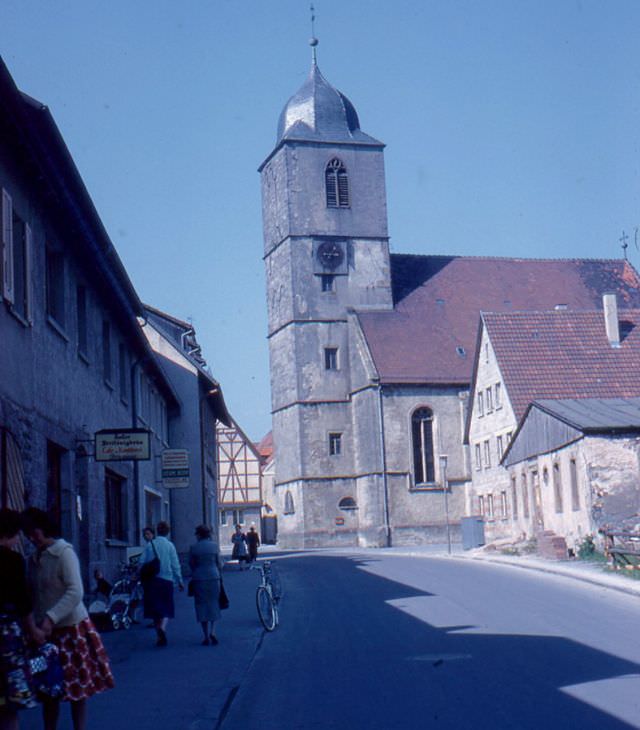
[[175, 468], [124, 444]]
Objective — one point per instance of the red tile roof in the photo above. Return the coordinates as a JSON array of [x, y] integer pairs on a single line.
[[564, 355], [430, 335]]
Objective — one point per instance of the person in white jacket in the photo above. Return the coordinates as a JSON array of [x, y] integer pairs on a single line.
[[56, 585]]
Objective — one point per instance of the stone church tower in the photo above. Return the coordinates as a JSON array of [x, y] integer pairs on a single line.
[[326, 254]]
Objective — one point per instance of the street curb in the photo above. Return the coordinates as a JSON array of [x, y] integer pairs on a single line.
[[548, 569]]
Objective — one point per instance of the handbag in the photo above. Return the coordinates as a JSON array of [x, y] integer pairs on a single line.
[[46, 672], [151, 568], [223, 599]]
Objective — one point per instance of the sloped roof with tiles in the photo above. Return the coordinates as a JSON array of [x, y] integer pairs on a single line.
[[564, 355], [430, 335]]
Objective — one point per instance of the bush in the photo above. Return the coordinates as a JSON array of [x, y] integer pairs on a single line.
[[587, 548]]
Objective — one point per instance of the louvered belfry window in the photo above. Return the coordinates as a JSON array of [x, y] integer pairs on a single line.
[[337, 184]]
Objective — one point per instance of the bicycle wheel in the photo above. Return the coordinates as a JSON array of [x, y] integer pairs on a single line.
[[276, 584], [266, 610]]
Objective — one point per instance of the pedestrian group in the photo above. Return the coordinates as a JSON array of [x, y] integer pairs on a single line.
[[50, 650]]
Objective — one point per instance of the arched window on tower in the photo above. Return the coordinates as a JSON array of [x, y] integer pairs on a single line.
[[289, 507], [422, 433], [337, 184]]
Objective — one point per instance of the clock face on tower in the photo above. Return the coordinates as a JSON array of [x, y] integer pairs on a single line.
[[330, 254]]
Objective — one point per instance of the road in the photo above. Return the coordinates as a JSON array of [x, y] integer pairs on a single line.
[[388, 642]]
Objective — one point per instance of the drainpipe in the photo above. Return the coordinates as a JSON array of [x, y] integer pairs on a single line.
[[383, 454], [203, 475], [136, 466]]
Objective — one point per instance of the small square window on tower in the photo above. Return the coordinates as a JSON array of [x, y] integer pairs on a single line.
[[328, 282], [330, 358], [335, 444]]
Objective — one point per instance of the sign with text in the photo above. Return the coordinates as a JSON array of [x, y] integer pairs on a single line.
[[125, 444], [175, 468]]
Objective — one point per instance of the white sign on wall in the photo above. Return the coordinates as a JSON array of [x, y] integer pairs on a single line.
[[125, 444], [175, 468]]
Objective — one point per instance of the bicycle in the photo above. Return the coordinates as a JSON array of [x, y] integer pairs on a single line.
[[268, 594]]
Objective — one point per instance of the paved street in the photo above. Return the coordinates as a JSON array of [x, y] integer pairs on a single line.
[[377, 640]]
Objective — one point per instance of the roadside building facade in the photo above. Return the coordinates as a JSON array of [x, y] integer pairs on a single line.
[[240, 499], [73, 359], [371, 353], [529, 356], [586, 454], [194, 501]]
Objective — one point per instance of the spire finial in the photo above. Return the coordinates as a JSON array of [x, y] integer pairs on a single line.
[[313, 41]]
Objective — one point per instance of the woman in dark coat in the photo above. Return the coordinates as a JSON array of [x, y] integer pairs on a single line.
[[204, 560], [16, 621]]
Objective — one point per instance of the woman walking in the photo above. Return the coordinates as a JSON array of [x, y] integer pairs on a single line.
[[239, 542], [56, 586], [16, 625], [158, 590], [204, 560]]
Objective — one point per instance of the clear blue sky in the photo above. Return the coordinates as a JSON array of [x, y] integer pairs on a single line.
[[512, 129]]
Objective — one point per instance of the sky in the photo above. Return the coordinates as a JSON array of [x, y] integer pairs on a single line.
[[512, 129]]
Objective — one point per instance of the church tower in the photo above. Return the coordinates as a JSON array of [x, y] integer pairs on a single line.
[[326, 254]]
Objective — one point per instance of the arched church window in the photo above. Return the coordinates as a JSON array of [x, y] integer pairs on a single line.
[[422, 434], [347, 503], [337, 184], [289, 508]]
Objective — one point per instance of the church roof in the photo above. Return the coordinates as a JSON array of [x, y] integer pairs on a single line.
[[430, 335], [564, 354], [318, 112]]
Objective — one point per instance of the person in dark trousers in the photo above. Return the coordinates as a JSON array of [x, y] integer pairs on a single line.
[[253, 543]]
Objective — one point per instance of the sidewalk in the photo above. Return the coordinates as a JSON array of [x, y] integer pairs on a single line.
[[184, 686], [581, 570]]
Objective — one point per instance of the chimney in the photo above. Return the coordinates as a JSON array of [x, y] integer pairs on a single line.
[[610, 306]]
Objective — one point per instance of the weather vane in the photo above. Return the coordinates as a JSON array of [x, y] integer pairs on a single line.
[[313, 41], [623, 240]]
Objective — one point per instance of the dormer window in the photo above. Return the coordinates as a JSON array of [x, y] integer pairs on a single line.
[[337, 184]]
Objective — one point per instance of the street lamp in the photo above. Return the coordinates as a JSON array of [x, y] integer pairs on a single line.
[[445, 489]]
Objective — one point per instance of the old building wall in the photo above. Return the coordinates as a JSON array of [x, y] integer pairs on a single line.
[[491, 426]]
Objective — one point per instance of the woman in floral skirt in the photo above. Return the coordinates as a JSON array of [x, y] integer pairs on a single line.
[[16, 625], [54, 575]]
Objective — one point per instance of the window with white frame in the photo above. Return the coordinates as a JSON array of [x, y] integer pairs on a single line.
[[223, 517], [55, 285], [21, 268], [490, 506], [500, 447], [497, 395], [423, 451], [327, 282], [478, 451], [489, 400], [81, 320], [525, 496], [557, 488], [480, 404], [514, 498], [106, 351], [335, 444], [575, 494], [330, 358], [481, 507], [289, 507], [503, 505], [487, 454]]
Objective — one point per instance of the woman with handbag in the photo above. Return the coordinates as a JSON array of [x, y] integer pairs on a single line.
[[159, 571], [204, 560], [56, 587], [16, 625]]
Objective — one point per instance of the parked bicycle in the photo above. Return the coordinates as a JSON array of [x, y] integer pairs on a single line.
[[268, 594]]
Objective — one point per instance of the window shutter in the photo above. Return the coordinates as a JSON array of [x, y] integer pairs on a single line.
[[343, 189], [7, 246], [28, 253], [332, 191]]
